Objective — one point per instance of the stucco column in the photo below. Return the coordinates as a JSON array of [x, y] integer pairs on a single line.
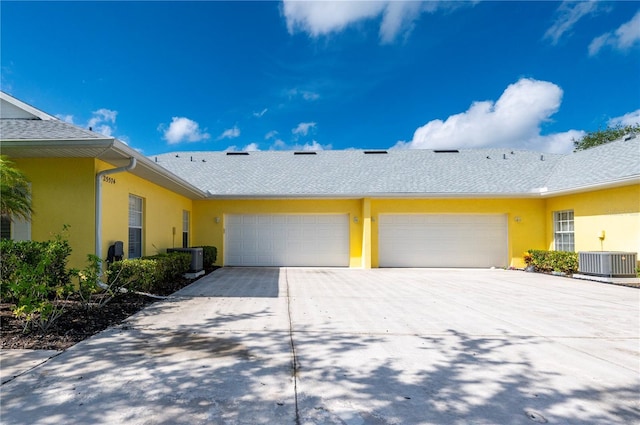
[[366, 233]]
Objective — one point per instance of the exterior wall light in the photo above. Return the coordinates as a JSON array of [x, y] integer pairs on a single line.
[[217, 219], [355, 219]]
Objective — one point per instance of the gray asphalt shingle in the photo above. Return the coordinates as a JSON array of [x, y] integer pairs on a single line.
[[354, 173], [18, 129], [500, 172]]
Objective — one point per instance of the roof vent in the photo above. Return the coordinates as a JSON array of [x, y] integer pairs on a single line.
[[237, 153], [374, 152], [304, 153], [446, 151], [541, 157]]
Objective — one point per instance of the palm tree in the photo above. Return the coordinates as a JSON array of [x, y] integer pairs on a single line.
[[15, 192]]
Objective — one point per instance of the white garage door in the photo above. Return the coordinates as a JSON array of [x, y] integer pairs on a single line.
[[442, 240], [287, 240]]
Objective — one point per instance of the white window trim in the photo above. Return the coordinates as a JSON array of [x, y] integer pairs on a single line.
[[186, 223], [136, 226], [560, 246]]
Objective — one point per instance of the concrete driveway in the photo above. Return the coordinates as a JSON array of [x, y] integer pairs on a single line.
[[341, 346]]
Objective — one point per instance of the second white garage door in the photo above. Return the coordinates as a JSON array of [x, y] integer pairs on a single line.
[[318, 240], [442, 240]]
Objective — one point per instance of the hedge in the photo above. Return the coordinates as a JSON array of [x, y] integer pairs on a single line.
[[155, 274], [557, 261], [48, 259], [209, 255]]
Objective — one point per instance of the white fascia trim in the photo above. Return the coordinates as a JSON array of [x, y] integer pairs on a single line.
[[26, 107], [625, 181], [374, 196]]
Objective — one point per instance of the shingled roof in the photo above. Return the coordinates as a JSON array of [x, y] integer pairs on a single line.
[[21, 129], [402, 173]]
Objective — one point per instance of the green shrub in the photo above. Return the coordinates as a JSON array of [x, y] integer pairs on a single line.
[[136, 274], [48, 259], [34, 277], [209, 256], [154, 274], [557, 261], [171, 266]]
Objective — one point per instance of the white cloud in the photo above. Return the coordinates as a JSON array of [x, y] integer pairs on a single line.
[[183, 129], [251, 147], [66, 118], [230, 133], [631, 118], [305, 94], [270, 135], [280, 145], [567, 15], [313, 146], [303, 128], [319, 18], [261, 113], [103, 121], [623, 38], [514, 121]]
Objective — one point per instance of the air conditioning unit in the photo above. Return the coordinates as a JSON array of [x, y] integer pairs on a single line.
[[197, 258], [607, 264]]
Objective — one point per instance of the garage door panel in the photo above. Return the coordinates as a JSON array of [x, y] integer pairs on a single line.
[[442, 240], [287, 240]]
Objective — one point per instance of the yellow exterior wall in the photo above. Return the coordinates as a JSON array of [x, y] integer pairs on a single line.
[[63, 194], [614, 211], [527, 233], [210, 232], [162, 213], [525, 217]]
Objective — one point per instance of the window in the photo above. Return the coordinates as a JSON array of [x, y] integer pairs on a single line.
[[135, 226], [563, 230], [5, 228], [16, 229], [185, 229]]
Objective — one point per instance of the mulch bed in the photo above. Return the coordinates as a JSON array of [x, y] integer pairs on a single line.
[[77, 323]]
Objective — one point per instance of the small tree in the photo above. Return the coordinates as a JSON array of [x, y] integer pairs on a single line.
[[15, 193], [600, 137]]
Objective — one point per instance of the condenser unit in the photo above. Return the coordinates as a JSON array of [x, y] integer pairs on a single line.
[[197, 258], [607, 263]]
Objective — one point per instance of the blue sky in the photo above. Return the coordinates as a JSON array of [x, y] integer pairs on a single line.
[[215, 75]]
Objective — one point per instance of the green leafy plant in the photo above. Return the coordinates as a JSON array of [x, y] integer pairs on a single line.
[[52, 255], [553, 261], [15, 192], [210, 255], [602, 136], [154, 274], [38, 282], [94, 287]]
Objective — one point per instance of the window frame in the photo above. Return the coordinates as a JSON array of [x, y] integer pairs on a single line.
[[186, 223], [564, 231], [136, 227]]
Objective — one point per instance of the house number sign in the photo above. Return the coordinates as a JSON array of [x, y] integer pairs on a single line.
[[108, 179]]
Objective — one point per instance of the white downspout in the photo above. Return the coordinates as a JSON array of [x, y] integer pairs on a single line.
[[131, 166]]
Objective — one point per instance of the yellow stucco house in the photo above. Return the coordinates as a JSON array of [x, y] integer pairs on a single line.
[[354, 208]]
